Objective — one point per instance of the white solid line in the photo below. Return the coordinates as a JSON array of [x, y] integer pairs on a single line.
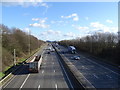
[[42, 71], [9, 81], [24, 81], [66, 75], [108, 76], [38, 87], [56, 86], [95, 76], [102, 66]]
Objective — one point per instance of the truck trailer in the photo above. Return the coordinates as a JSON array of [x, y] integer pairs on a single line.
[[72, 49], [35, 63]]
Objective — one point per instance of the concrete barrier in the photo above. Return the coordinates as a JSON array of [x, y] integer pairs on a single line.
[[76, 77]]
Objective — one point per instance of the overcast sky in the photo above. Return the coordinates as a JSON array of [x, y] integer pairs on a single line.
[[61, 20]]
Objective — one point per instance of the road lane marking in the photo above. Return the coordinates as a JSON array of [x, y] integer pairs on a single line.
[[53, 62], [24, 82], [9, 81], [83, 56], [38, 87], [42, 71], [95, 76], [56, 86], [54, 70], [83, 66], [108, 76], [102, 66]]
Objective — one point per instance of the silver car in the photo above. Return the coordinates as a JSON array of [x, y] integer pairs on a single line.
[[76, 57]]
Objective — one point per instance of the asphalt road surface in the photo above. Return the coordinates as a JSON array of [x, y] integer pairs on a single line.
[[50, 75], [98, 74]]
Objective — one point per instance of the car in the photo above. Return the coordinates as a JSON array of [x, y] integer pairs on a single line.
[[52, 50], [76, 57], [48, 52]]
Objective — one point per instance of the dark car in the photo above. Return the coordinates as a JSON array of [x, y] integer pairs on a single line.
[[76, 57], [48, 52]]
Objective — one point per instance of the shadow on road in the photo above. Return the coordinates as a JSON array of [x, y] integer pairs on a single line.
[[22, 70]]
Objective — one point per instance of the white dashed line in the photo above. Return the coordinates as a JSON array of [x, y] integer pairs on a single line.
[[102, 66], [42, 71], [83, 66], [95, 76], [56, 86], [38, 87]]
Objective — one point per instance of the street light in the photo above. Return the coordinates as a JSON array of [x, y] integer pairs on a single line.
[[14, 57], [29, 41]]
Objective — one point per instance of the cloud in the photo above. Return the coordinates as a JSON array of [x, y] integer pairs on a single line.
[[98, 26], [43, 20], [80, 27], [75, 19], [51, 33], [59, 23], [39, 19], [69, 34], [22, 0], [27, 30], [40, 23], [53, 22], [25, 3], [44, 5], [74, 16], [109, 21], [35, 19]]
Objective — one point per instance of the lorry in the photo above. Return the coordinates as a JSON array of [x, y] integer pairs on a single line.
[[72, 49], [35, 63]]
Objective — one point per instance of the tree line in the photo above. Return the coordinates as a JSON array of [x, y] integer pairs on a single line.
[[103, 45], [16, 39]]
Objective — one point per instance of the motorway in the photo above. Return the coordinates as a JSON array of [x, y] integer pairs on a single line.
[[99, 75], [50, 75]]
